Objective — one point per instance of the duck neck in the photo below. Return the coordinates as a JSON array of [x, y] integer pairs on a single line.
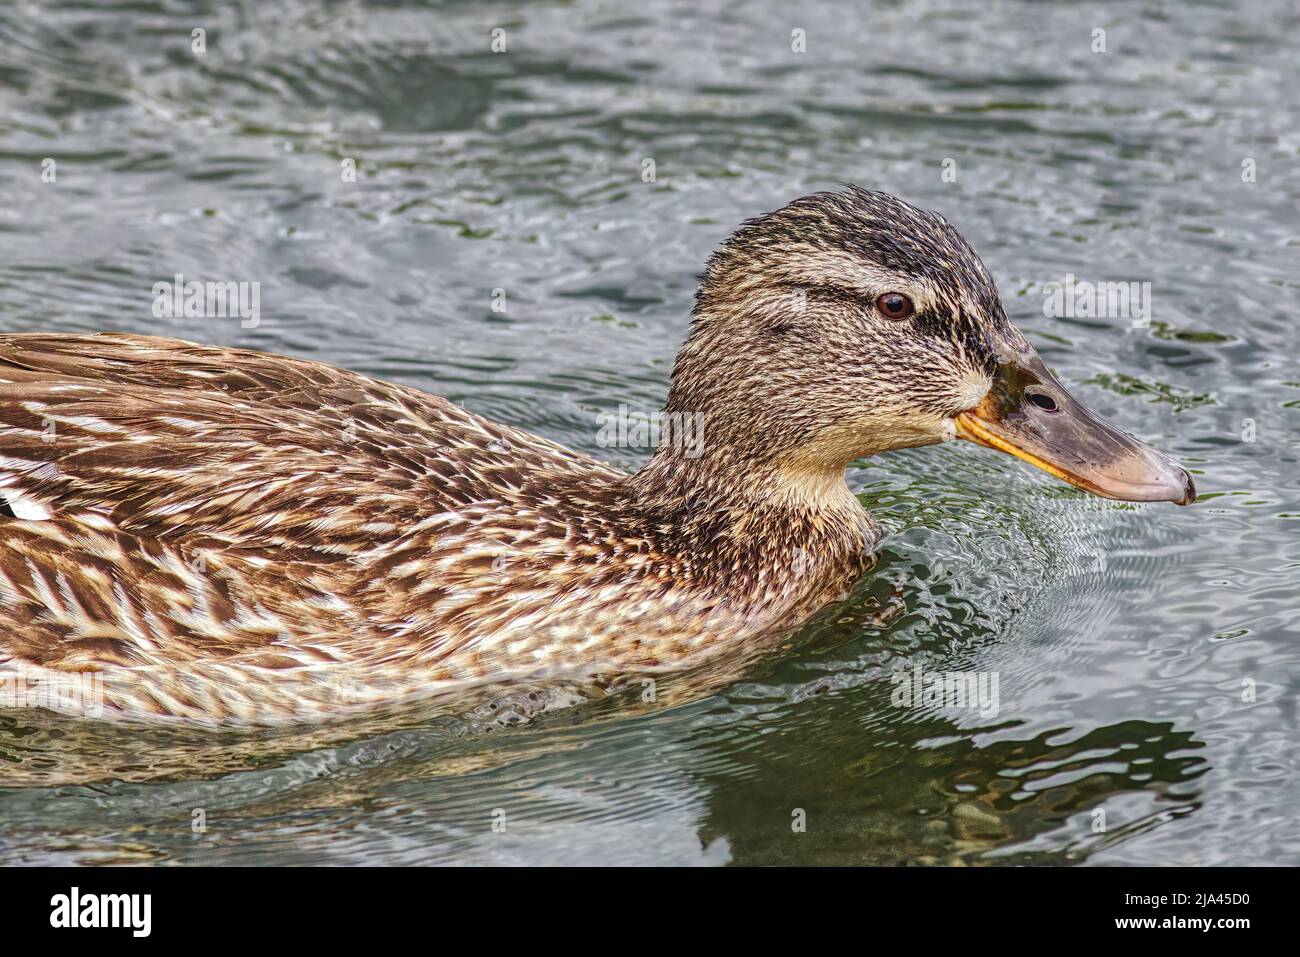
[[772, 516], [728, 480]]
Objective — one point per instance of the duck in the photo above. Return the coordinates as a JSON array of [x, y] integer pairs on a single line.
[[230, 538]]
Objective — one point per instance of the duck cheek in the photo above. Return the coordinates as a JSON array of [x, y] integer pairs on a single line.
[[865, 434], [970, 390], [907, 430]]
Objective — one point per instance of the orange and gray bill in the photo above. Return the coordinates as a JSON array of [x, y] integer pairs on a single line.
[[1030, 415]]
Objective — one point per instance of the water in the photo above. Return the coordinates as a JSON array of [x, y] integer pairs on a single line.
[[1125, 638]]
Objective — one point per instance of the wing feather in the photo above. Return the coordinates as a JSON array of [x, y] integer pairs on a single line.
[[177, 503], [166, 437]]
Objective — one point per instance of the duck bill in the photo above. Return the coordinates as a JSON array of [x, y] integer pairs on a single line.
[[1029, 414]]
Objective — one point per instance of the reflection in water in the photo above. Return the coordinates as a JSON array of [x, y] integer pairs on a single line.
[[905, 789], [963, 800]]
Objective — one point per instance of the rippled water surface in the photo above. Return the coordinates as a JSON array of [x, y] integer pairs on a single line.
[[1129, 641]]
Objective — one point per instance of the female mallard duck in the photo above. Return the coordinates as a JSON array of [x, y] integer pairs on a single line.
[[239, 538]]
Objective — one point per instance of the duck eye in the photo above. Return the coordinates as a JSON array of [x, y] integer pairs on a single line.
[[894, 305]]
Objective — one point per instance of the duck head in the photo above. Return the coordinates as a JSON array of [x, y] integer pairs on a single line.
[[851, 323]]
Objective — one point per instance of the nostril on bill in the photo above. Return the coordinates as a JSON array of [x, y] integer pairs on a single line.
[[1042, 400]]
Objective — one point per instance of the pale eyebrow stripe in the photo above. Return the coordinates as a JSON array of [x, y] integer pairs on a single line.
[[836, 268]]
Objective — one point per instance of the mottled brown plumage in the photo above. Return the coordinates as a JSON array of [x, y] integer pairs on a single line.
[[240, 538]]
